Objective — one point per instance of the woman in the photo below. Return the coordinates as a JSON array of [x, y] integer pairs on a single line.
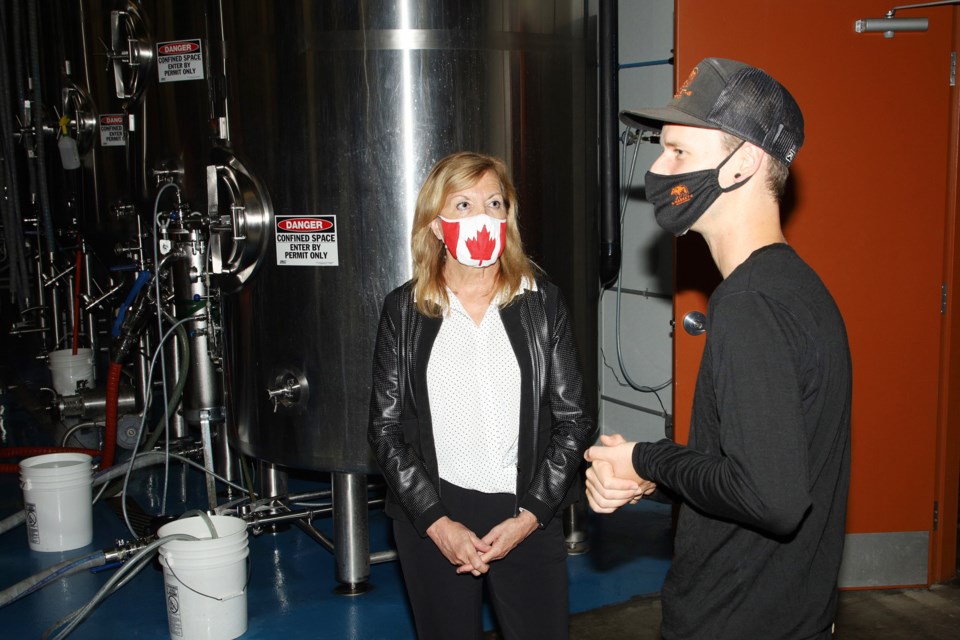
[[477, 414]]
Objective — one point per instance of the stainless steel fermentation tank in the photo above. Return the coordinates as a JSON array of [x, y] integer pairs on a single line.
[[341, 109]]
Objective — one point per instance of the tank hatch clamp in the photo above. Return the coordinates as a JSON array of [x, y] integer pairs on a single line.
[[130, 53], [240, 216]]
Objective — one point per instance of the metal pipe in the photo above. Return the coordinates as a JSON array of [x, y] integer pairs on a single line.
[[141, 365], [224, 120], [176, 424], [376, 557], [92, 403], [637, 407], [610, 251], [225, 462], [309, 514], [311, 531], [89, 318], [310, 495], [45, 317], [96, 301], [351, 534], [206, 437], [388, 555], [937, 3]]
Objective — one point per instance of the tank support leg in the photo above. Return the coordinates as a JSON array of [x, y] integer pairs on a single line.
[[350, 517], [273, 480], [575, 529]]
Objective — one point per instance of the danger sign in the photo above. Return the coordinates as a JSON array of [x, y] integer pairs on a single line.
[[113, 130], [180, 60], [307, 241]]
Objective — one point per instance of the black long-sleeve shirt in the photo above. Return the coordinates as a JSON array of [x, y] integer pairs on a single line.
[[765, 475]]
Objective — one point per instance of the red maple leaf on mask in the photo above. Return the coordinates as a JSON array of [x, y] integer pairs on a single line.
[[481, 247]]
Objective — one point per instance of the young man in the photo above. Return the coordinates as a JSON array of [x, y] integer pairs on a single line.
[[763, 480]]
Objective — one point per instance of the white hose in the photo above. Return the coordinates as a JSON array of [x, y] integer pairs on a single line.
[[130, 568], [43, 578]]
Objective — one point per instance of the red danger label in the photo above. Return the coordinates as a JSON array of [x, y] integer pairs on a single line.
[[171, 48], [111, 119], [307, 225]]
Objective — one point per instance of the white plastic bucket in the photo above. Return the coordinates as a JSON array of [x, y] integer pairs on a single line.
[[68, 370], [205, 580], [57, 496]]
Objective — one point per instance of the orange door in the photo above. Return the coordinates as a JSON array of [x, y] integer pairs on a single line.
[[868, 212]]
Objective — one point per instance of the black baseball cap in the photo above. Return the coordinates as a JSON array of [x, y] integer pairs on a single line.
[[736, 98]]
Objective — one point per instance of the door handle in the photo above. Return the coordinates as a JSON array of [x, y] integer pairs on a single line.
[[695, 323]]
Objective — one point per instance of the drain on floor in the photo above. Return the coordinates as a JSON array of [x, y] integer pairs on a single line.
[[140, 520]]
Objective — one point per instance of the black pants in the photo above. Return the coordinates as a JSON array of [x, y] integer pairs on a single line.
[[528, 588]]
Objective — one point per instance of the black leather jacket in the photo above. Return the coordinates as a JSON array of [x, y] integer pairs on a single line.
[[555, 429]]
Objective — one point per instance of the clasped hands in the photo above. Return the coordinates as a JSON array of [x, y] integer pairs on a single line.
[[611, 479], [471, 554]]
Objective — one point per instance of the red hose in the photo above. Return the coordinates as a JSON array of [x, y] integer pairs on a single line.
[[29, 452], [109, 436], [76, 301], [110, 428], [26, 452]]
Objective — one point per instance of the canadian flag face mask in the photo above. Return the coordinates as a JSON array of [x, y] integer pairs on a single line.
[[475, 241]]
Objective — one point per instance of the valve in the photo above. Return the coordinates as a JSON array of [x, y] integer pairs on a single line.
[[288, 390]]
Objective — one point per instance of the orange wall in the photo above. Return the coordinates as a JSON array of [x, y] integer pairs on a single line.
[[869, 216]]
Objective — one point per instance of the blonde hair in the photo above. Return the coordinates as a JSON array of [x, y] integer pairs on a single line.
[[454, 173]]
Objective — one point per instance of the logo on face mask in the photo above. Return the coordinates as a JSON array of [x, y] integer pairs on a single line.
[[476, 241], [680, 194]]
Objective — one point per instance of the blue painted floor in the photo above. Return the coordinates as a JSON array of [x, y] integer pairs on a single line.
[[292, 581]]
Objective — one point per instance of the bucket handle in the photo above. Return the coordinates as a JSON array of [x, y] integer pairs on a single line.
[[206, 595]]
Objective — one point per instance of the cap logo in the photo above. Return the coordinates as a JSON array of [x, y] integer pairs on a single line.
[[684, 89], [680, 194]]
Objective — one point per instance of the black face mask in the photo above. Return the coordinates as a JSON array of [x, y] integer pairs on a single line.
[[679, 200]]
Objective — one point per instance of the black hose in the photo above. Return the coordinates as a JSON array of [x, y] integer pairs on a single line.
[[19, 284], [133, 325], [17, 31], [610, 250], [21, 88], [19, 66], [45, 213]]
